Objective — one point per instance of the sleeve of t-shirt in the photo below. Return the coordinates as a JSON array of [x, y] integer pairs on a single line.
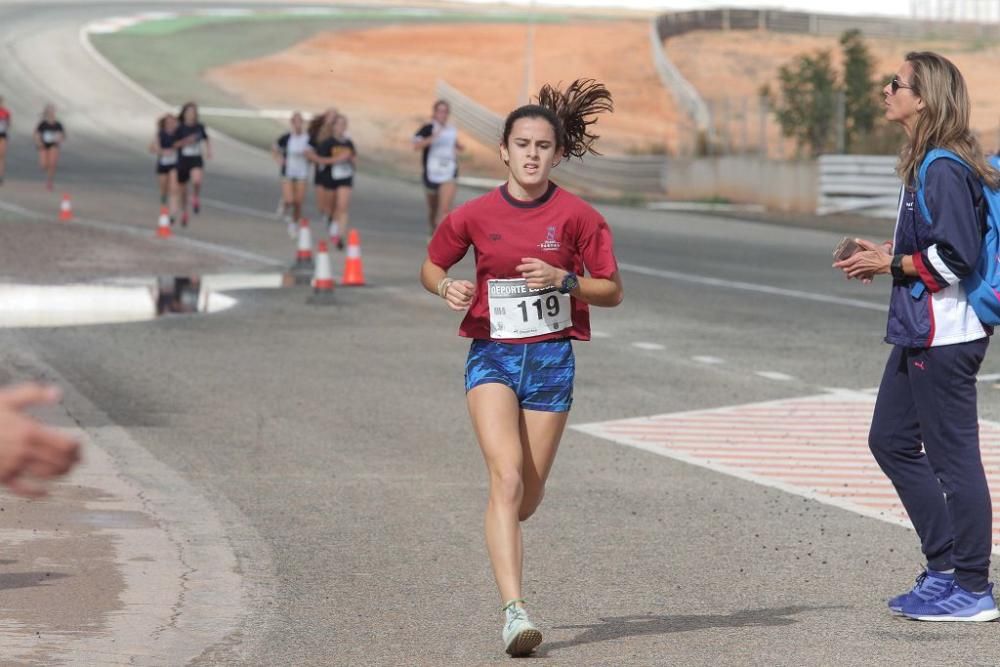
[[955, 226], [597, 248], [203, 132], [450, 241], [350, 144], [60, 130], [424, 132], [283, 141]]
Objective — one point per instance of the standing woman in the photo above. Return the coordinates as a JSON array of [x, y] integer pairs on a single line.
[[162, 146], [49, 136], [195, 148], [440, 145], [4, 129], [290, 152], [928, 392], [532, 242]]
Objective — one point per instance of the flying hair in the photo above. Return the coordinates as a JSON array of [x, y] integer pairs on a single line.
[[571, 112]]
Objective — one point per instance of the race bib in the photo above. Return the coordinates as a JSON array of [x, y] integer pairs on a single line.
[[168, 158], [519, 312], [440, 169], [342, 170], [191, 150], [49, 137]]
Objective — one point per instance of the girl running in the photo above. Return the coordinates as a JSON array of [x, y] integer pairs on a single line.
[[925, 429], [532, 243], [440, 145], [343, 159], [4, 129], [49, 136], [321, 123], [162, 146], [290, 152], [195, 148]]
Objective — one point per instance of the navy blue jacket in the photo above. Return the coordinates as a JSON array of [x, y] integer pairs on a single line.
[[944, 251]]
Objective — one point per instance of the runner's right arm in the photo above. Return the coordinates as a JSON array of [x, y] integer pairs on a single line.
[[447, 248], [424, 137]]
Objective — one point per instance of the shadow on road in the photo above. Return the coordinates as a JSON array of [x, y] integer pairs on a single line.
[[9, 580], [638, 626]]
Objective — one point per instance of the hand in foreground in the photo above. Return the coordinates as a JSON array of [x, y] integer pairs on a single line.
[[865, 264], [539, 274], [27, 447], [459, 294]]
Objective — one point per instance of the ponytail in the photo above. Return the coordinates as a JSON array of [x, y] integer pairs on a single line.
[[570, 113]]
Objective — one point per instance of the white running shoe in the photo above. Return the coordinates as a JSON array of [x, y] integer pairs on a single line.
[[520, 636]]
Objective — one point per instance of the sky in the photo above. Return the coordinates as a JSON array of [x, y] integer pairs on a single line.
[[883, 7]]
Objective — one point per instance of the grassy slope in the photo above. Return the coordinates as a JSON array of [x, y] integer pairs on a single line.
[[168, 57]]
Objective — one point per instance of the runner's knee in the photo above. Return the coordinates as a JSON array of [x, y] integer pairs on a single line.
[[506, 486]]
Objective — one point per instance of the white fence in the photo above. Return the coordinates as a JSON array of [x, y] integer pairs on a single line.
[[638, 174], [684, 93], [860, 184]]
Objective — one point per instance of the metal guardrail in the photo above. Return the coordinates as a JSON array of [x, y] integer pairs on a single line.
[[684, 93], [862, 184], [639, 174]]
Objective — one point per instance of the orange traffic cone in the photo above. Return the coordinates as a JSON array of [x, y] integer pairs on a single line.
[[354, 273], [303, 267], [322, 278], [65, 209], [163, 226]]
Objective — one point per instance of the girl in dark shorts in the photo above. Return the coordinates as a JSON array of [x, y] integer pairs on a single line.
[[162, 146], [343, 160], [4, 129], [438, 141], [49, 136], [194, 147]]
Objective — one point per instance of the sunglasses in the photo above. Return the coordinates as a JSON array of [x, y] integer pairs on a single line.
[[896, 84]]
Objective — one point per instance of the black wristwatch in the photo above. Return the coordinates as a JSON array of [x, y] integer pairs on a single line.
[[896, 267], [569, 283]]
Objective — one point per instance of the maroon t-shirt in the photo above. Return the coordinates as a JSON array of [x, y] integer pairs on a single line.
[[559, 228]]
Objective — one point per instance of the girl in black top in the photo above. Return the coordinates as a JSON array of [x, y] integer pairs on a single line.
[[341, 165], [162, 146], [49, 136], [321, 124], [194, 148], [4, 129]]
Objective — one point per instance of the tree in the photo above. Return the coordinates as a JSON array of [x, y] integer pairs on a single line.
[[861, 93], [808, 104]]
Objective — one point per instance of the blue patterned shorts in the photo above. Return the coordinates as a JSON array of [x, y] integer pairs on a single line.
[[539, 374]]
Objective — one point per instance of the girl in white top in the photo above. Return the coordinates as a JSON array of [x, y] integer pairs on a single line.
[[289, 151], [440, 145]]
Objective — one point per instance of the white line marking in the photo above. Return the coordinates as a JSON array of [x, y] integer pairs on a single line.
[[774, 375], [649, 346], [139, 232], [991, 377], [752, 287], [600, 334], [708, 360]]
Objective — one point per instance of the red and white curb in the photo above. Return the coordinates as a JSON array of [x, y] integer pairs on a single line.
[[816, 447]]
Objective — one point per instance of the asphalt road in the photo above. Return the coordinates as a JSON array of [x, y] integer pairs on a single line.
[[316, 474]]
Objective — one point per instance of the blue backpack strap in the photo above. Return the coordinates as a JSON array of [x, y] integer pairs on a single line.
[[933, 154]]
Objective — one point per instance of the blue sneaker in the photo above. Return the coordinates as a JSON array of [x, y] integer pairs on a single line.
[[957, 604], [930, 585]]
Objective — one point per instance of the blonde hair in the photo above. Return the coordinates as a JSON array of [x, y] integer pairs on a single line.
[[944, 120]]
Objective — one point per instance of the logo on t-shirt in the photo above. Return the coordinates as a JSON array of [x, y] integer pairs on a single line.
[[550, 242]]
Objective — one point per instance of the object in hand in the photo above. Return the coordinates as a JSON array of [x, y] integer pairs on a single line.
[[845, 249]]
